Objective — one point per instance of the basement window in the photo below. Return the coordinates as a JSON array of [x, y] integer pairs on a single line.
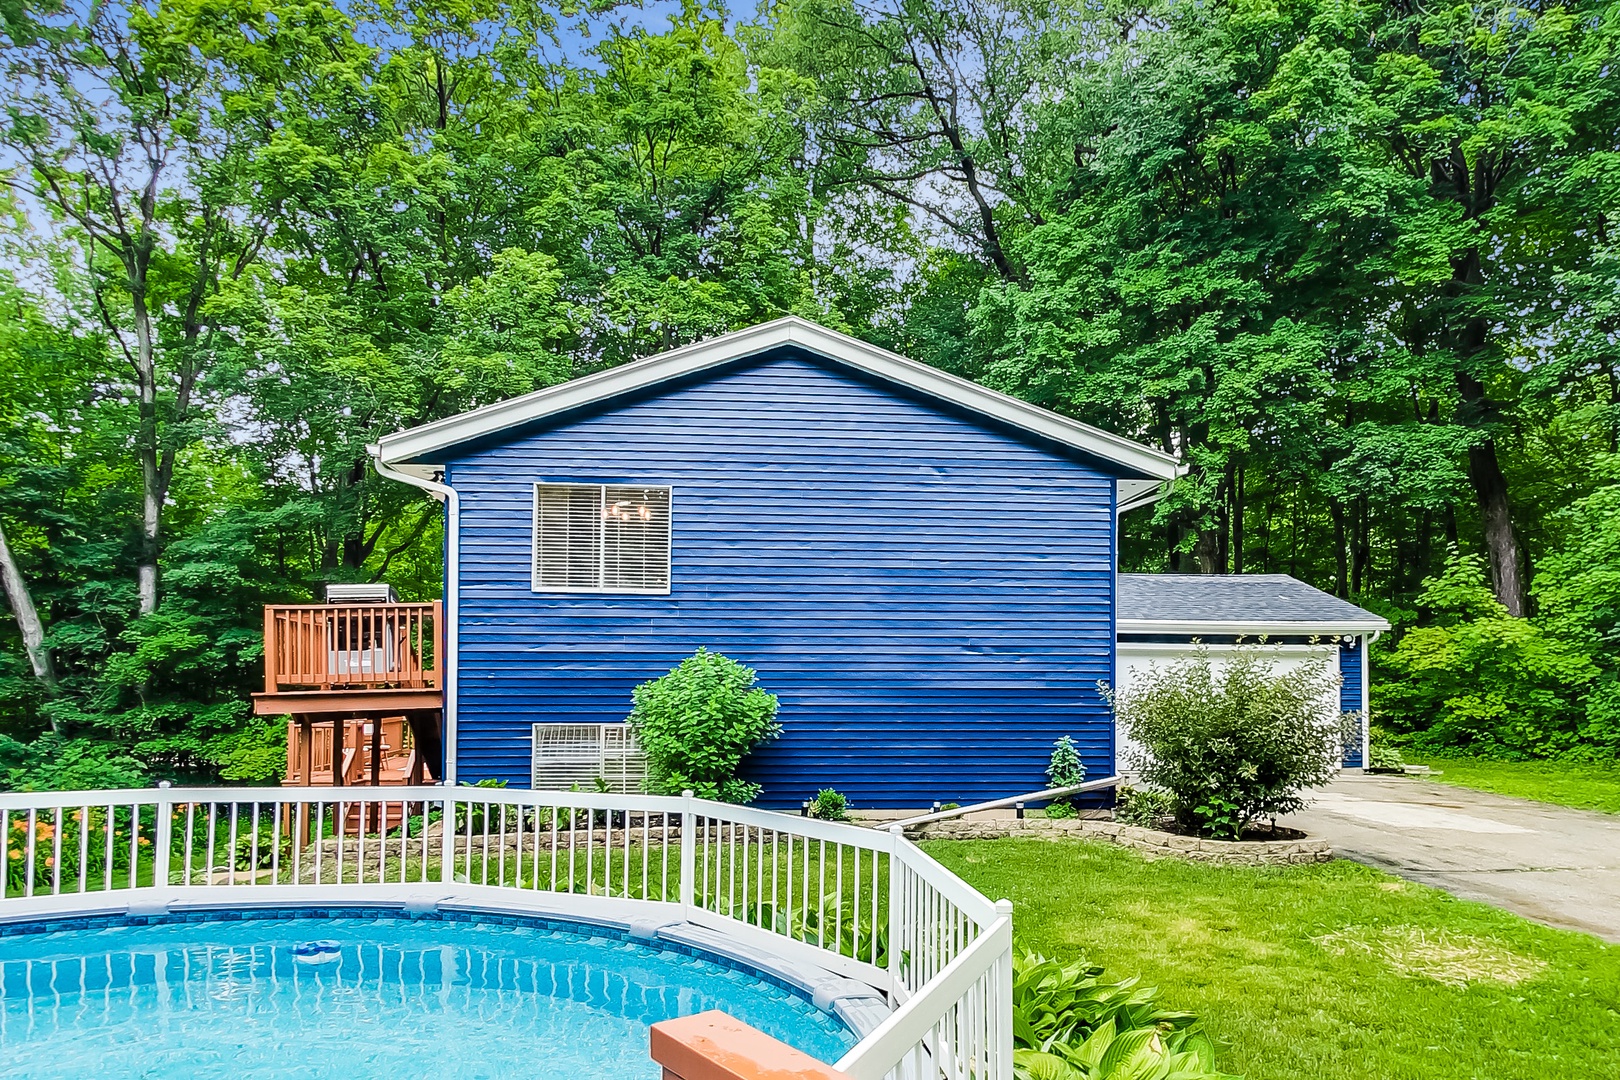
[[601, 538]]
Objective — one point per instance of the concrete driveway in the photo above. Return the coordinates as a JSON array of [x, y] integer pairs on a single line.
[[1548, 863]]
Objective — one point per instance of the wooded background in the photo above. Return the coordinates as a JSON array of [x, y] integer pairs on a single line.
[[1356, 262]]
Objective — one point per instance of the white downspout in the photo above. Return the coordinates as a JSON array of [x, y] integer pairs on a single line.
[[452, 596]]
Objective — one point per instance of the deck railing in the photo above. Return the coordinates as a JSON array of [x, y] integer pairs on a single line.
[[862, 903], [348, 646]]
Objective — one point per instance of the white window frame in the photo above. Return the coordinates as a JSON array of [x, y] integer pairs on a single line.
[[601, 547]]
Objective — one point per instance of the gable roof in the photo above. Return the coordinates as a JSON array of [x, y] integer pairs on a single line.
[[406, 450], [1235, 604]]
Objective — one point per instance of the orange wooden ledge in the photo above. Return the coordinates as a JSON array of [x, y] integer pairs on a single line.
[[715, 1046]]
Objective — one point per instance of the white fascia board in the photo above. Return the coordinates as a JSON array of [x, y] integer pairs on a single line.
[[414, 443], [1253, 628], [1182, 648]]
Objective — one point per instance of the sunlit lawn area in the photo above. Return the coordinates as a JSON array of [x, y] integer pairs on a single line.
[[1587, 787], [1250, 951]]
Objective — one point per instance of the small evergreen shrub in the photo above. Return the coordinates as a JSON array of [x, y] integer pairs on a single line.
[[829, 805], [1236, 744], [698, 722]]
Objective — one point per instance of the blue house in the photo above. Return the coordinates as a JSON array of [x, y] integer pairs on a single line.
[[923, 570]]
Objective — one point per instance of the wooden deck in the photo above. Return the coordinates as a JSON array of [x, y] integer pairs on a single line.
[[362, 687]]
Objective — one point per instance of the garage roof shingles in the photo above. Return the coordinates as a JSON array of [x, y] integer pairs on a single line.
[[1261, 600]]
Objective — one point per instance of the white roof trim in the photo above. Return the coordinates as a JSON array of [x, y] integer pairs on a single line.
[[1137, 493], [406, 446], [1315, 628]]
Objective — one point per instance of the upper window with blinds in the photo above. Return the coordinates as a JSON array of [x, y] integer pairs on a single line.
[[601, 538]]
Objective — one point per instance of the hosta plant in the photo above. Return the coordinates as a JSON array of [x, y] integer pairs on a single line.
[[1111, 1054], [1070, 1023]]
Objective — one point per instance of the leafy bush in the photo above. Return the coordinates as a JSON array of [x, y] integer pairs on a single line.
[[1064, 770], [51, 763], [471, 816], [1482, 681], [1578, 588], [829, 805], [1071, 1024], [1143, 807], [697, 723], [1382, 757], [1237, 744]]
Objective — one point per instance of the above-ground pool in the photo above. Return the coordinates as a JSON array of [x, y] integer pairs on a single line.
[[365, 996]]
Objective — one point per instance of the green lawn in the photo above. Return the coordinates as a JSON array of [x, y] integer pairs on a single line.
[[1240, 948], [1587, 787]]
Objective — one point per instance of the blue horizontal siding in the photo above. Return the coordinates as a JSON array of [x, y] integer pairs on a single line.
[[930, 597], [1350, 697]]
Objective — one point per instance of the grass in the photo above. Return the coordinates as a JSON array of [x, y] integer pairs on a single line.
[[1583, 786], [1320, 972]]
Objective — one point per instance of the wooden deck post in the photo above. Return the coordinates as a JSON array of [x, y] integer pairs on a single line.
[[272, 650], [438, 644], [340, 728]]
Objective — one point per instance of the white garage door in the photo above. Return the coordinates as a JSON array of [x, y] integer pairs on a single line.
[[1134, 658]]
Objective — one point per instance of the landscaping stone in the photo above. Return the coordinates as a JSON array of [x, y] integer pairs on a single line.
[[1152, 842]]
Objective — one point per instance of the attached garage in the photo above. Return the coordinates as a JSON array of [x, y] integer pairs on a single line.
[[1163, 617]]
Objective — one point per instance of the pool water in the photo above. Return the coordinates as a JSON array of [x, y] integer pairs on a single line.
[[399, 998]]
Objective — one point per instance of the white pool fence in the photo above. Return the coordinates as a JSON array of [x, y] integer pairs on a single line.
[[862, 903]]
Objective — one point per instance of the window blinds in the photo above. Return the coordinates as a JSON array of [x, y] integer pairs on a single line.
[[601, 537]]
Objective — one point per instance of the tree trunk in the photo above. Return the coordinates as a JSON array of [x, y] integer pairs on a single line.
[[1360, 545], [1237, 519], [28, 622], [1496, 519], [1501, 542], [1340, 559], [146, 449]]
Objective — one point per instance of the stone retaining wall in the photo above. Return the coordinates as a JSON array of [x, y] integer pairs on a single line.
[[1151, 841]]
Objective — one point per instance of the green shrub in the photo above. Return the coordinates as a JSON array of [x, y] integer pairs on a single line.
[[1481, 681], [1069, 1023], [829, 805], [1143, 807], [1064, 770], [1381, 756], [698, 722], [1237, 744]]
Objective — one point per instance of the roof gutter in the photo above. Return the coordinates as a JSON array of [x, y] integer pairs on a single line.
[[452, 594]]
